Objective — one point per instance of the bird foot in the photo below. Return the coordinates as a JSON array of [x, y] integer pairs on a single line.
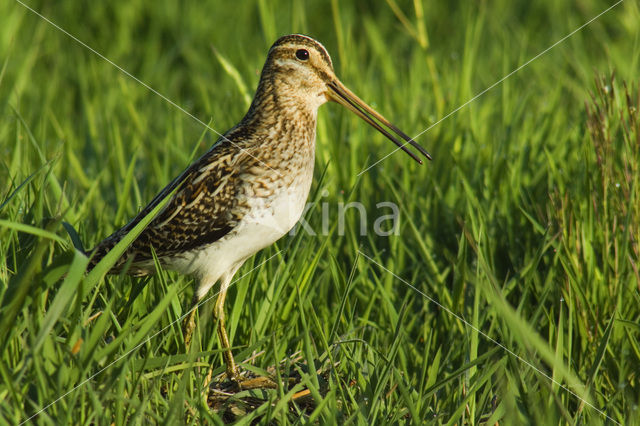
[[241, 382], [259, 382]]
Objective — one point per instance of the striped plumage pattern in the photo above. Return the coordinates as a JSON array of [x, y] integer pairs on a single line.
[[251, 187]]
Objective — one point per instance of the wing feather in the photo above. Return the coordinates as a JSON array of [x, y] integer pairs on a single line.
[[203, 210]]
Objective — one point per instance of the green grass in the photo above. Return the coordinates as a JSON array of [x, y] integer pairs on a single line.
[[526, 224]]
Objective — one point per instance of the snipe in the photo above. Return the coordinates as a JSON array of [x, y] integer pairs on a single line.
[[250, 188]]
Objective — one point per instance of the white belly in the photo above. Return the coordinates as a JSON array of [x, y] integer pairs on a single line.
[[267, 221]]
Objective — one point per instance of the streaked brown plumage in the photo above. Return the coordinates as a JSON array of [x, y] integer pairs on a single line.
[[250, 188]]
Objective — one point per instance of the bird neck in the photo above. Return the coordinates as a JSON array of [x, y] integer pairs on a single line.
[[279, 98], [277, 109]]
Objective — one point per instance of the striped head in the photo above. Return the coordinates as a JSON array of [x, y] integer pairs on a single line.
[[299, 73]]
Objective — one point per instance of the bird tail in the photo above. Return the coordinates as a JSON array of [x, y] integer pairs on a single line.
[[75, 238], [97, 253], [77, 244]]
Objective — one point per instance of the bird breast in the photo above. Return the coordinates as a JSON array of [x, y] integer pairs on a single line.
[[276, 206]]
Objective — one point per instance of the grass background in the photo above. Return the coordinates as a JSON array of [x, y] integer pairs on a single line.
[[526, 224]]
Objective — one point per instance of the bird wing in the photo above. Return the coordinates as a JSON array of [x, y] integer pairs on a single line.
[[202, 211]]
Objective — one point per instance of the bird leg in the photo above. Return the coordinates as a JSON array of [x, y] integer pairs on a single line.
[[218, 312], [189, 323]]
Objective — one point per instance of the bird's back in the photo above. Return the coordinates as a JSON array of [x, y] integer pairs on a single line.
[[202, 210]]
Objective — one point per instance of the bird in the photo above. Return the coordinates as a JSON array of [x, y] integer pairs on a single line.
[[250, 188]]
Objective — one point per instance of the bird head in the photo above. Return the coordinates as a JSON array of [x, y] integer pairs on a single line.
[[299, 70]]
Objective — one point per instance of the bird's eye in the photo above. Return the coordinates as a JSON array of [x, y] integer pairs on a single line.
[[302, 54]]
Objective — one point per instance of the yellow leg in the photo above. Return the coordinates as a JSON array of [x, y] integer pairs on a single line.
[[218, 312], [189, 323]]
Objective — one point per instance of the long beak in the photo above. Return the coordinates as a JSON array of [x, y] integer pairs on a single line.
[[340, 94]]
